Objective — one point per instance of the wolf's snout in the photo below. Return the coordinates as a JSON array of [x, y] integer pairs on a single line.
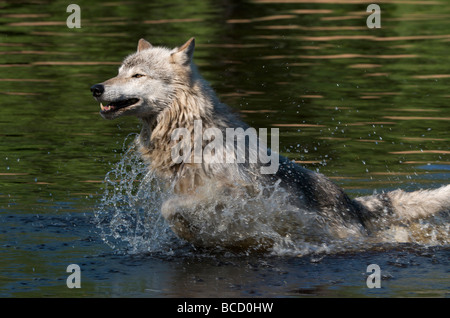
[[97, 90]]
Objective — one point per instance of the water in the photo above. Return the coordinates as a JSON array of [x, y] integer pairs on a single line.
[[369, 108]]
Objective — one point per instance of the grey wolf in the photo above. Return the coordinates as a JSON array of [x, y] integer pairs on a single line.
[[233, 205]]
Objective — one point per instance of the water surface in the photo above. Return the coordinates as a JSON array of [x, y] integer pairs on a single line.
[[367, 107]]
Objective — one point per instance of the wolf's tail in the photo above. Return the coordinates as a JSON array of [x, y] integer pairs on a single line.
[[406, 205]]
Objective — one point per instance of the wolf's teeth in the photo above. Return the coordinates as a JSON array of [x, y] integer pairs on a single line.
[[105, 108]]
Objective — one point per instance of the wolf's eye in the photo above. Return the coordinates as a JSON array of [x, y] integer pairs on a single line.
[[138, 75]]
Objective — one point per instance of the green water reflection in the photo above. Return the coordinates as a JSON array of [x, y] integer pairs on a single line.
[[367, 107]]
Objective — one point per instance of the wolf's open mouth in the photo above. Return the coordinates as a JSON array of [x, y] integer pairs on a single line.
[[116, 105]]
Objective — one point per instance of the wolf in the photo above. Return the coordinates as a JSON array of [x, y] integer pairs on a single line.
[[226, 204]]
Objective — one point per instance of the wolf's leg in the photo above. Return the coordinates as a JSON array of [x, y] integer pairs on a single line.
[[172, 210]]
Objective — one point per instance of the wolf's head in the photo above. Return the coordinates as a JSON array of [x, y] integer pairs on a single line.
[[146, 81]]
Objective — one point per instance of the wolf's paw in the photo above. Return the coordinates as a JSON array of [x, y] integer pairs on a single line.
[[169, 208], [173, 213]]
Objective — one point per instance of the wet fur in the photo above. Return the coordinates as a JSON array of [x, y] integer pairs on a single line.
[[173, 96]]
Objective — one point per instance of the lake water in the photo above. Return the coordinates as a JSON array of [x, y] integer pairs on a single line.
[[367, 107]]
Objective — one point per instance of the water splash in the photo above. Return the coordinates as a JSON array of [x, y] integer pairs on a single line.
[[129, 215], [129, 218]]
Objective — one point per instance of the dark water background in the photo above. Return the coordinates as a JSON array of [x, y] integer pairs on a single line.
[[367, 107]]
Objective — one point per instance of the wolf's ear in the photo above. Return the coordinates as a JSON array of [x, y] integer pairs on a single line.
[[183, 55], [143, 45]]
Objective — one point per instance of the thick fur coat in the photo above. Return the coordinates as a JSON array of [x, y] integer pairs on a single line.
[[163, 88]]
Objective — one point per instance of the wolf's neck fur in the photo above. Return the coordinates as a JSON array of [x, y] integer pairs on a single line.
[[194, 102]]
